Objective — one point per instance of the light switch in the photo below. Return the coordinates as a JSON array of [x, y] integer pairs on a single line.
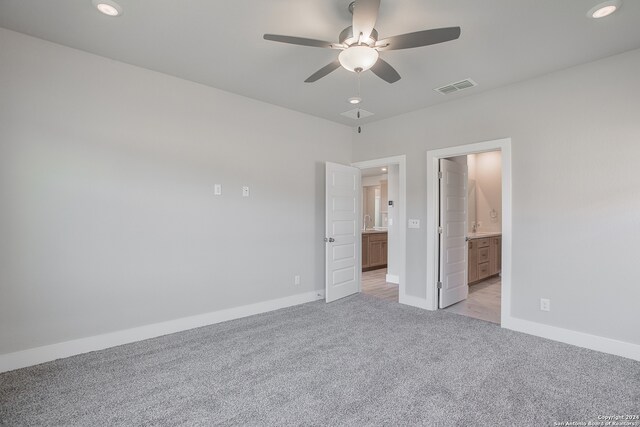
[[245, 191], [414, 223], [217, 189]]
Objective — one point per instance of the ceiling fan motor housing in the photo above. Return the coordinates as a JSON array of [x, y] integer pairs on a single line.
[[346, 37]]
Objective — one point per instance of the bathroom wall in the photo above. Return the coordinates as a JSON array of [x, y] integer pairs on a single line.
[[373, 180], [486, 174]]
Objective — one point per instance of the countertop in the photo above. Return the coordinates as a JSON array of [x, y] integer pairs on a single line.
[[483, 235], [373, 231]]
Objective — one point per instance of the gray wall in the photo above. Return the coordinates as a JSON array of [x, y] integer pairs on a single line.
[[576, 188], [107, 213]]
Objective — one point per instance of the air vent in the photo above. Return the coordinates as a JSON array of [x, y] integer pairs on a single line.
[[353, 114], [456, 87]]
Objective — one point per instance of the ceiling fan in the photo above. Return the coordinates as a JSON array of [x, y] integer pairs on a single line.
[[360, 47]]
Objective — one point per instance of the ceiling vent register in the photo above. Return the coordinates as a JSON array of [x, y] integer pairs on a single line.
[[353, 114], [456, 87]]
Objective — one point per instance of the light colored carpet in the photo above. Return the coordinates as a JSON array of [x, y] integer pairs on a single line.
[[357, 361]]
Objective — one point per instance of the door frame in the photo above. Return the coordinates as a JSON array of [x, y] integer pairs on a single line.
[[433, 156], [401, 161]]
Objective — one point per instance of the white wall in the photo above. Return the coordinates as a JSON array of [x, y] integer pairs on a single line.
[[576, 189], [107, 213]]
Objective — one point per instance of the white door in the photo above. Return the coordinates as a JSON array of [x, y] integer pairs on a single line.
[[453, 231], [342, 231]]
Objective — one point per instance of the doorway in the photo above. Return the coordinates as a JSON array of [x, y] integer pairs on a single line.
[[482, 250], [383, 235], [471, 255]]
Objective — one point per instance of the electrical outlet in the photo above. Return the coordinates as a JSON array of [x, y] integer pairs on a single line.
[[545, 304], [245, 191], [296, 280], [217, 189], [414, 223]]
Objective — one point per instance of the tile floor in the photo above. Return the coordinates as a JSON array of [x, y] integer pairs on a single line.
[[483, 302], [374, 283]]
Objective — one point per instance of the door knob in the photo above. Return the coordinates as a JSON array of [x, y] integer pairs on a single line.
[[331, 239]]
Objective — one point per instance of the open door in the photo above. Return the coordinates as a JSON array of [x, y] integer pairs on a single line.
[[452, 276], [342, 231]]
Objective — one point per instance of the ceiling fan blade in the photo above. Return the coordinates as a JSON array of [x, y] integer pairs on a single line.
[[297, 40], [365, 14], [419, 38], [323, 71], [385, 71]]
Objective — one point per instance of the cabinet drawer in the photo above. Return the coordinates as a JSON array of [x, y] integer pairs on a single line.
[[483, 243], [483, 255], [377, 237], [483, 270]]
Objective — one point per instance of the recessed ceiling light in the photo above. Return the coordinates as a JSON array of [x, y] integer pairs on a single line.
[[384, 169], [108, 7], [604, 9], [355, 100]]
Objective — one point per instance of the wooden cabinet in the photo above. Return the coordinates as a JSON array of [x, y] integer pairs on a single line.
[[365, 251], [484, 259], [495, 255], [374, 251], [473, 261]]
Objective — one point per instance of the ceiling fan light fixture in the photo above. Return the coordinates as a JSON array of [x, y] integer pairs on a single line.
[[359, 58], [355, 100], [604, 9], [108, 7]]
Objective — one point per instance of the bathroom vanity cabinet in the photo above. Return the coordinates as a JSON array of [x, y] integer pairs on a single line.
[[485, 257], [374, 250]]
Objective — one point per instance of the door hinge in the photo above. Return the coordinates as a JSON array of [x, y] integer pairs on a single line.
[[439, 285], [439, 230], [439, 174]]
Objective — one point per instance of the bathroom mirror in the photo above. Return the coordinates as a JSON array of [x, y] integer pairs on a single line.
[[374, 206]]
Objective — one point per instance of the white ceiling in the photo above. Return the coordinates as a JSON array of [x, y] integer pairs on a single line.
[[219, 43]]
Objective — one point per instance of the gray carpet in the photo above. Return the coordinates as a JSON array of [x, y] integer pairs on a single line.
[[357, 361]]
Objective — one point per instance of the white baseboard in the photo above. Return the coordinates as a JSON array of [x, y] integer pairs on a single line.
[[413, 301], [392, 278], [35, 356], [580, 339]]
